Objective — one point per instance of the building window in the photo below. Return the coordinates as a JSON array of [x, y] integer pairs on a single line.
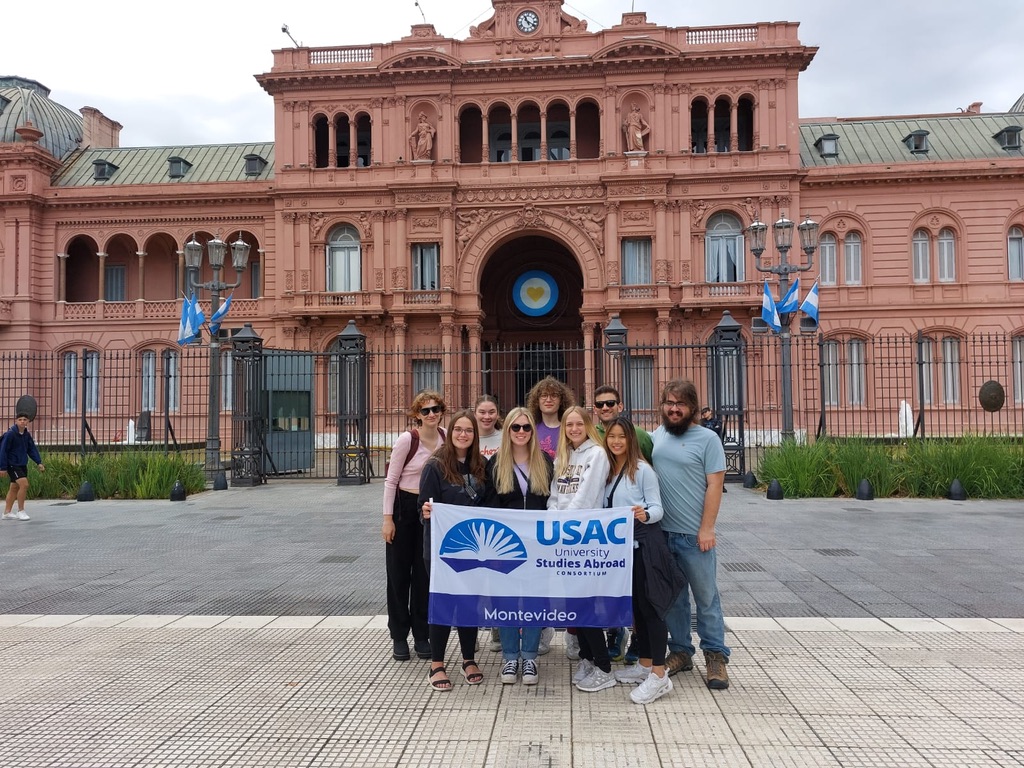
[[171, 372], [830, 373], [425, 267], [148, 380], [70, 382], [92, 382], [947, 256], [529, 142], [828, 145], [114, 282], [1015, 253], [177, 167], [254, 165], [723, 249], [641, 383], [227, 381], [558, 143], [926, 354], [922, 257], [827, 257], [426, 374], [636, 261], [917, 142], [852, 260], [344, 261], [855, 379], [1009, 137], [1017, 352], [951, 370], [102, 170]]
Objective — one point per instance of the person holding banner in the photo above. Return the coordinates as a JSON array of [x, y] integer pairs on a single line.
[[519, 477], [455, 474], [656, 579], [581, 467], [407, 583]]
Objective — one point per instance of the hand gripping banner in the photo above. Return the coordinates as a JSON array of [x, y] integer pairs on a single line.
[[531, 568]]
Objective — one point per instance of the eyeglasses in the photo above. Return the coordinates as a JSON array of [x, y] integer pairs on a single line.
[[673, 404], [605, 403], [462, 430], [520, 427], [431, 409]]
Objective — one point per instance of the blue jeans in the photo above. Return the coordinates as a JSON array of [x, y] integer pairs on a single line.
[[700, 570], [514, 644]]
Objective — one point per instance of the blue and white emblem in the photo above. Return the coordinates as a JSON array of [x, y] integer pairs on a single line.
[[482, 543], [535, 293]]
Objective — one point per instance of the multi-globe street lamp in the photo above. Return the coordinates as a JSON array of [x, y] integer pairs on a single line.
[[215, 250], [782, 233]]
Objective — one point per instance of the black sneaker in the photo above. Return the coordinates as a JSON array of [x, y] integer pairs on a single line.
[[422, 648], [400, 650]]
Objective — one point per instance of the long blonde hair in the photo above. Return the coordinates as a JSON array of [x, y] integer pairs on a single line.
[[505, 464], [564, 446]]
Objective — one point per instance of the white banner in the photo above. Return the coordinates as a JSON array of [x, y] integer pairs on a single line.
[[531, 568]]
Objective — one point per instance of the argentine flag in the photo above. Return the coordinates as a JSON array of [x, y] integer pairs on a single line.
[[810, 305], [219, 315], [790, 300], [769, 312], [187, 329]]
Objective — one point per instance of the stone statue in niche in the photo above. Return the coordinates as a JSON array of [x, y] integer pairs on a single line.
[[421, 140], [636, 129]]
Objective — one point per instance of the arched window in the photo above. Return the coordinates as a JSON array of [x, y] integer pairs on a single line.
[[947, 256], [344, 261], [723, 249], [827, 256], [922, 257], [852, 259], [1015, 253]]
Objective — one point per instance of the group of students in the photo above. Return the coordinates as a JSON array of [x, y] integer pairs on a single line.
[[547, 455]]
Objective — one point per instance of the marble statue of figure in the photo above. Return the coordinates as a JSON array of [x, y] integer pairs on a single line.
[[636, 128], [421, 140]]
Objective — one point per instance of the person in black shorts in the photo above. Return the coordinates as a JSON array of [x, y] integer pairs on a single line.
[[16, 448]]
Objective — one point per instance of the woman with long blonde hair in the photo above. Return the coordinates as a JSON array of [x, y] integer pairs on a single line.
[[519, 477]]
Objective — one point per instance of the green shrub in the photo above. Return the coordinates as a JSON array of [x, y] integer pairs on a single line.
[[802, 470], [856, 460]]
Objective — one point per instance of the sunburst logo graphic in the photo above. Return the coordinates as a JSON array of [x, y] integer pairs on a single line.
[[482, 543]]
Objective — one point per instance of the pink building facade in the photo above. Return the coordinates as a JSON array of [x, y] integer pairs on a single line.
[[520, 186]]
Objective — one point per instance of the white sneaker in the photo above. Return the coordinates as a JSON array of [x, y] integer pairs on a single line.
[[529, 672], [509, 671], [634, 673], [23, 515], [546, 636], [9, 516], [495, 641], [583, 670], [598, 680], [651, 689], [572, 647]]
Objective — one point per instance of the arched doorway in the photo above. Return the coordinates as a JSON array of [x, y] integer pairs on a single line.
[[531, 291]]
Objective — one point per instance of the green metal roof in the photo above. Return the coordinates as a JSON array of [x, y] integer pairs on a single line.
[[24, 100], [881, 141], [210, 163]]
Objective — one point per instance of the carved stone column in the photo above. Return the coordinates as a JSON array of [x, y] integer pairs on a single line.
[[142, 275], [543, 135], [62, 277], [101, 260], [734, 136], [611, 242]]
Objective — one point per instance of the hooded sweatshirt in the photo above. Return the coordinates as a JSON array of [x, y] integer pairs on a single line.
[[581, 485]]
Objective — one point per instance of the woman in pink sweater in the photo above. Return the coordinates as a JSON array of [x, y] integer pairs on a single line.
[[407, 581]]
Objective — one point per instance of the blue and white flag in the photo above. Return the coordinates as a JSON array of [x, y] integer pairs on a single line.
[[187, 328], [769, 312], [791, 299], [530, 568], [219, 315], [810, 305]]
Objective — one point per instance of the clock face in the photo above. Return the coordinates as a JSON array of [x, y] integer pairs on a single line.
[[528, 21]]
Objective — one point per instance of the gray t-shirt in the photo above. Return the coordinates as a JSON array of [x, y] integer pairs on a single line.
[[683, 464]]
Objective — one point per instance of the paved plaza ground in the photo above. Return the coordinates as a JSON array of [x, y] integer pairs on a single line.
[[244, 628]]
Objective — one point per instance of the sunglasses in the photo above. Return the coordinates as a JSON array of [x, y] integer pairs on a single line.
[[520, 427], [605, 403], [431, 409]]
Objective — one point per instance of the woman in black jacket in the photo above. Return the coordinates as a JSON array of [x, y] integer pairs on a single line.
[[453, 475], [519, 477]]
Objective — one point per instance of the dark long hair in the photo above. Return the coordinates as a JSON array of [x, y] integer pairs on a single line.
[[448, 462], [633, 454]]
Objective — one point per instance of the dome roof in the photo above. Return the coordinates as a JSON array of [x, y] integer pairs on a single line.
[[1018, 105], [23, 100]]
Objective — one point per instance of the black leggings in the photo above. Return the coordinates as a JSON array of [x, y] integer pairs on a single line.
[[594, 647], [439, 635], [652, 633]]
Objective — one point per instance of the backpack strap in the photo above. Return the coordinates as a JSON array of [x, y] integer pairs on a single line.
[[414, 445]]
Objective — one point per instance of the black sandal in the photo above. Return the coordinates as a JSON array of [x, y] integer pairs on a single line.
[[472, 678], [442, 683]]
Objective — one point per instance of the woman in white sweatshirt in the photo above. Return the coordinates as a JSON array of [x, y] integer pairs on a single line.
[[581, 469]]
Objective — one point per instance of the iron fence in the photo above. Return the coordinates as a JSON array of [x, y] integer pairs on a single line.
[[310, 413]]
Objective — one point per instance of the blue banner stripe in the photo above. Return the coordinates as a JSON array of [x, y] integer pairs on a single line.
[[492, 611]]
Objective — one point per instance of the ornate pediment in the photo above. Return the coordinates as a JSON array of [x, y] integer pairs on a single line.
[[428, 58], [637, 48]]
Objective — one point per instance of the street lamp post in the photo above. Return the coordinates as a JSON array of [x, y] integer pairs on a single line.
[[215, 250], [782, 233]]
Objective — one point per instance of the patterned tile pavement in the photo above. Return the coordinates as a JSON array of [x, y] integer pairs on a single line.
[[243, 628]]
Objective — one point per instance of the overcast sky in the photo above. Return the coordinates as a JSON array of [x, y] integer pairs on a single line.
[[182, 72]]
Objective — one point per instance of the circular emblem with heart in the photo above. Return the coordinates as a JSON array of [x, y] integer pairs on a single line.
[[535, 293]]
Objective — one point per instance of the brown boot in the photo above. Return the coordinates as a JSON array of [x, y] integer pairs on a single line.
[[678, 661], [717, 676]]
